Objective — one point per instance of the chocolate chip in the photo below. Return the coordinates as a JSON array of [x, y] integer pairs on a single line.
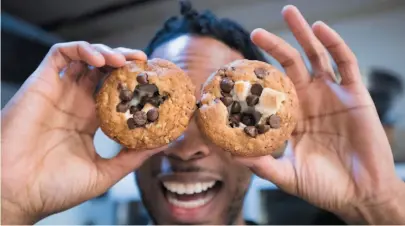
[[226, 94], [227, 85], [252, 100], [121, 86], [156, 100], [227, 100], [122, 107], [142, 78], [260, 72], [133, 109], [140, 118], [234, 120], [144, 100], [198, 104], [256, 116], [125, 95], [256, 89], [248, 120], [262, 128], [131, 123], [251, 131], [233, 68], [236, 108], [148, 89], [274, 121], [152, 115]]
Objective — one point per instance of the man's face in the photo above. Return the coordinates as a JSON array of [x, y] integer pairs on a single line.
[[193, 181]]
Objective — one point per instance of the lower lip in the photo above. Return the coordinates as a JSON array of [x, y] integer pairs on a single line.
[[183, 214]]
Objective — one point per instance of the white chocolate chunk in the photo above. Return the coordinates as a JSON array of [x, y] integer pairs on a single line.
[[147, 107], [241, 90], [127, 115], [270, 102]]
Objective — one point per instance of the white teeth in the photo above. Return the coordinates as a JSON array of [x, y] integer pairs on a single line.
[[189, 189], [189, 204], [182, 188], [198, 188]]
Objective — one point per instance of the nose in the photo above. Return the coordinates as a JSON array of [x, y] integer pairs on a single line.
[[190, 146]]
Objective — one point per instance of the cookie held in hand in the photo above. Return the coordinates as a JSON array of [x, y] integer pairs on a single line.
[[248, 108], [145, 105]]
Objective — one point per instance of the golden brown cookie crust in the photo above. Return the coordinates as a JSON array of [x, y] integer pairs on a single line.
[[213, 114], [174, 113]]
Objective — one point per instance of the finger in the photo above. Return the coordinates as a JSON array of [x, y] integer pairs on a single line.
[[125, 162], [91, 79], [285, 54], [131, 54], [313, 48], [96, 75], [277, 171], [60, 55], [73, 71], [112, 58], [340, 52]]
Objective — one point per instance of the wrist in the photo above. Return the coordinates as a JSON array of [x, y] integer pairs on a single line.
[[387, 210], [12, 214]]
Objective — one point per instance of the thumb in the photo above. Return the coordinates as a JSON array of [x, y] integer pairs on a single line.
[[278, 171], [128, 160]]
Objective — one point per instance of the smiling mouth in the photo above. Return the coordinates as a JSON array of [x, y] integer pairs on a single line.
[[190, 195]]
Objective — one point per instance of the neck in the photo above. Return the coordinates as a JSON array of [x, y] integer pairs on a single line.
[[239, 220]]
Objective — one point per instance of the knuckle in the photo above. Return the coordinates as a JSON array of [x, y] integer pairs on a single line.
[[101, 46], [295, 55], [57, 46], [122, 49], [81, 43]]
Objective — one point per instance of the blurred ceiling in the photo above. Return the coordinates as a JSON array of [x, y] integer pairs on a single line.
[[37, 24], [92, 19]]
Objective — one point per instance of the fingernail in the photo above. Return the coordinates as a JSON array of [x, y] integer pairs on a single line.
[[317, 23], [285, 8]]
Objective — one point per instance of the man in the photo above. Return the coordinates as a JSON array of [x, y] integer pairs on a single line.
[[199, 44], [338, 158]]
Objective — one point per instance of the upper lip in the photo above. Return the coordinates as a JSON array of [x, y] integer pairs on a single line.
[[188, 177]]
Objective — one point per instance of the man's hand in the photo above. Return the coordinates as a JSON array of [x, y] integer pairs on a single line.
[[49, 162], [339, 157]]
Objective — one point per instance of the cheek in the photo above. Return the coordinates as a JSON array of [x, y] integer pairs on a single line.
[[240, 177]]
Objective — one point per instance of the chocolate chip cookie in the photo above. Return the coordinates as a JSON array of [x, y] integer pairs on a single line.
[[248, 108], [146, 105]]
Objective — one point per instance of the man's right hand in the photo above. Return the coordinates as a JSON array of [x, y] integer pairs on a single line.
[[339, 157], [49, 162]]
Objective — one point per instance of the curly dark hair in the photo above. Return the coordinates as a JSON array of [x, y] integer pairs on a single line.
[[206, 24]]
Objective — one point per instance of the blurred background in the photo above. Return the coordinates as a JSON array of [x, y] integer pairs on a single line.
[[374, 29]]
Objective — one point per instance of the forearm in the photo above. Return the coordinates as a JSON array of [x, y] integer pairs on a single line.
[[390, 212]]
